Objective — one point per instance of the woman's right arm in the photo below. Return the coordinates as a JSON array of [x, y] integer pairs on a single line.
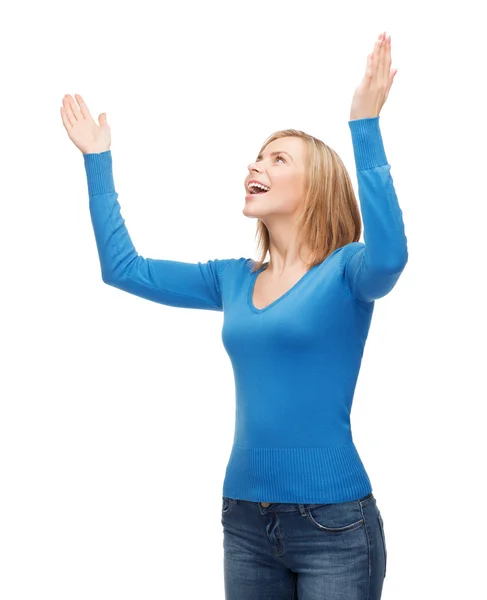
[[174, 283]]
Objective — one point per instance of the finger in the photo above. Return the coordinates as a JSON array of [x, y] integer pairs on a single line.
[[390, 82], [377, 61], [65, 119], [375, 54], [84, 109], [369, 69], [67, 107], [391, 78], [387, 58], [374, 57], [381, 65], [75, 108], [384, 66]]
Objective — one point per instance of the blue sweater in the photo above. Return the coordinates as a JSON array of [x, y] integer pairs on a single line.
[[296, 361]]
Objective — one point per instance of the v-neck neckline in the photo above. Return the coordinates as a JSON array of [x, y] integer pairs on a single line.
[[253, 279]]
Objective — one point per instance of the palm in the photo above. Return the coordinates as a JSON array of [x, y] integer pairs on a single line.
[[372, 92], [82, 130]]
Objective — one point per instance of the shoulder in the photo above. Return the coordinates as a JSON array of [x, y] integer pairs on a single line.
[[342, 254], [232, 266], [347, 251]]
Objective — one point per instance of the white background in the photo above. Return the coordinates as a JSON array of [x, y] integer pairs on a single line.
[[117, 413]]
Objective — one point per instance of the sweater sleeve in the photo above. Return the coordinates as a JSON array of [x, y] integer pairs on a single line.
[[174, 283], [372, 269]]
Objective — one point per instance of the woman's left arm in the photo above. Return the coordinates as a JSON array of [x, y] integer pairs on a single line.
[[372, 269]]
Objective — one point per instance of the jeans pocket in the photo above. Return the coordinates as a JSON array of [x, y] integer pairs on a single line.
[[227, 504], [381, 528], [335, 518]]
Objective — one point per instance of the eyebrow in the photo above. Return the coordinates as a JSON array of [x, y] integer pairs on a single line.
[[275, 153]]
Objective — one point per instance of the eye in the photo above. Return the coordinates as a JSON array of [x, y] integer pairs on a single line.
[[277, 156]]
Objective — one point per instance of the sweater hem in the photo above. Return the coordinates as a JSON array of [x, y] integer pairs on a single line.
[[325, 474]]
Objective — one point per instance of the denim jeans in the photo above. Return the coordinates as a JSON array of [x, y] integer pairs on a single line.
[[303, 551]]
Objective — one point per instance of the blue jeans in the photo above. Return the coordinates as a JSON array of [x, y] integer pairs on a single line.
[[303, 551]]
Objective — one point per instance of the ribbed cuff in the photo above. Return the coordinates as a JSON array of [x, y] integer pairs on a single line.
[[99, 172], [368, 147]]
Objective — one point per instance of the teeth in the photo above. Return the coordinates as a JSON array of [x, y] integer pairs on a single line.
[[259, 185]]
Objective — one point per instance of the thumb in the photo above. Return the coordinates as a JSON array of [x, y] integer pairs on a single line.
[[102, 119]]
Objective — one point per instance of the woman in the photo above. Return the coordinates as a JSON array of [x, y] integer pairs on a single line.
[[298, 513]]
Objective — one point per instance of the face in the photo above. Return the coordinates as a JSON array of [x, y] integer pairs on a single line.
[[282, 168]]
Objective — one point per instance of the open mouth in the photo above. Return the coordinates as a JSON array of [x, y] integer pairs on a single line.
[[255, 189]]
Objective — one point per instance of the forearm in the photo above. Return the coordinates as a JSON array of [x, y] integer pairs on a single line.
[[374, 269]]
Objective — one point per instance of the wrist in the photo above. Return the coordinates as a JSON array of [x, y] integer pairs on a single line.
[[95, 150]]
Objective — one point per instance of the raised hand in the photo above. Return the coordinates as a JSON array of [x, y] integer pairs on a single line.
[[373, 90], [82, 130]]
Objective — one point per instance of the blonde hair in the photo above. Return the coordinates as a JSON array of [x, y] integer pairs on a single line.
[[330, 218]]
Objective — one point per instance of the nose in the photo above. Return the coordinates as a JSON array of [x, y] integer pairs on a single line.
[[253, 167]]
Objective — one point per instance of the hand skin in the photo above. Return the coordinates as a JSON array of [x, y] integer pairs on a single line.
[[373, 90], [83, 131]]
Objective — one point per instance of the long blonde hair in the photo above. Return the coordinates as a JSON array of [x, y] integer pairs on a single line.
[[330, 218]]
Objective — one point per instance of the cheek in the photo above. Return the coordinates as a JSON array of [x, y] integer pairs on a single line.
[[291, 182], [286, 200], [289, 189]]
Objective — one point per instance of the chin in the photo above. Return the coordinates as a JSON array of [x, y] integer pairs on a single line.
[[251, 211]]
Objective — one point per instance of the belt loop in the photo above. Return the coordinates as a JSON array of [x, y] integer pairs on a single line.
[[302, 510]]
